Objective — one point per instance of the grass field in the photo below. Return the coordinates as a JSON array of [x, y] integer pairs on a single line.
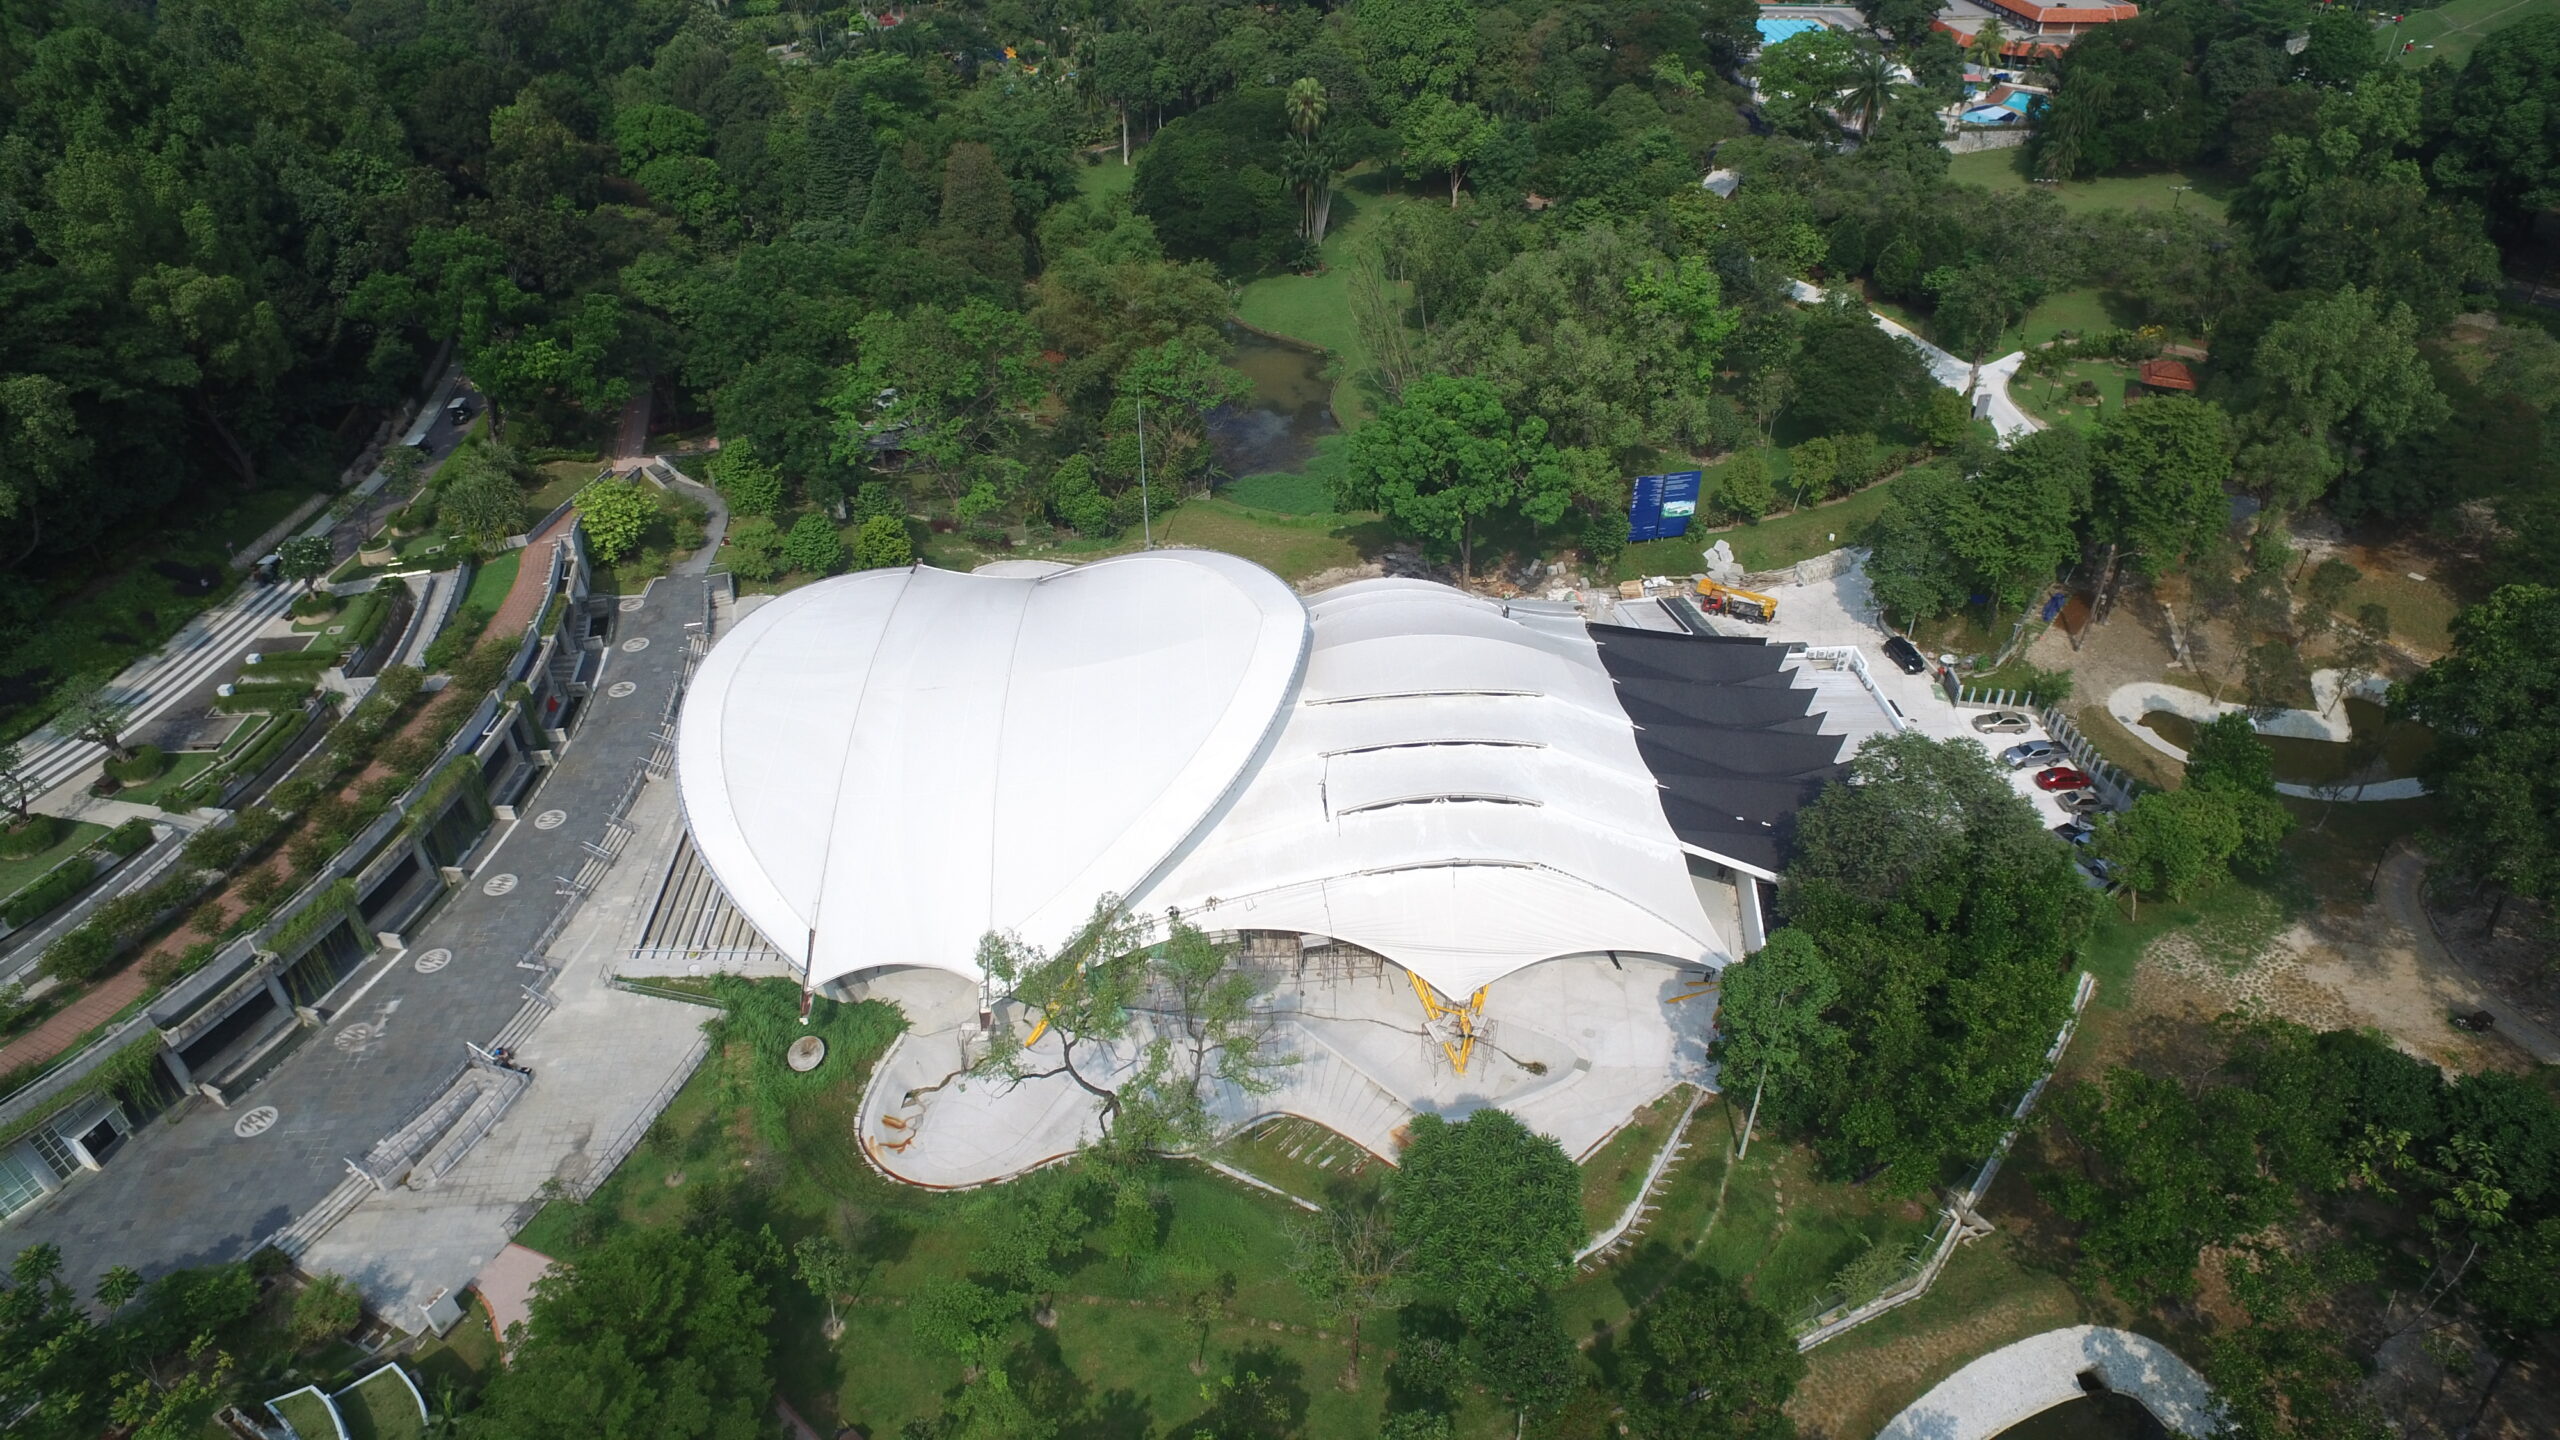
[[491, 582], [184, 765], [1108, 178], [2451, 32], [1772, 544], [307, 1414], [2006, 170], [381, 1409], [16, 875], [1316, 309]]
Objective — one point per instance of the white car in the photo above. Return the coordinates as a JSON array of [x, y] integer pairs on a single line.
[[2035, 752], [2004, 722]]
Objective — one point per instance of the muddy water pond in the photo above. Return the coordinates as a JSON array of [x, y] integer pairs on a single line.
[[2383, 748], [1290, 409]]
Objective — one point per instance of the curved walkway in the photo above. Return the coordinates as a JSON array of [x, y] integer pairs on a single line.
[[2008, 418], [2032, 1376], [2129, 703]]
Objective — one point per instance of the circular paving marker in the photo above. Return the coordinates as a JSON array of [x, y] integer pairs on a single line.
[[353, 1038], [255, 1122], [635, 644], [498, 885], [806, 1054], [431, 961], [631, 604], [620, 688], [550, 819]]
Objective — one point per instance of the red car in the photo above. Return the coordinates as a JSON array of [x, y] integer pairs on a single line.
[[2063, 777]]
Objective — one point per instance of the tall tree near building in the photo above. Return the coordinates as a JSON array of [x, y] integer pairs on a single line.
[[1769, 1015], [1451, 457], [1708, 1363], [2157, 472], [1490, 1210], [2494, 705]]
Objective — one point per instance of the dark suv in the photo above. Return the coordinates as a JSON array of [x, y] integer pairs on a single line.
[[1907, 655]]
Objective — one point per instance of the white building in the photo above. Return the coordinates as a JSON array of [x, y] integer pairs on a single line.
[[883, 768]]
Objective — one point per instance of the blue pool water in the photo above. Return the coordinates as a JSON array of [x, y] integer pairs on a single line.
[[1773, 31]]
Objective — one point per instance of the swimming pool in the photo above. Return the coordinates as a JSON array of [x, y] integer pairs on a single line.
[[1773, 31]]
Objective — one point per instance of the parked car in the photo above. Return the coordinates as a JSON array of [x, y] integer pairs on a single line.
[[2078, 832], [2101, 874], [1905, 654], [2081, 802], [2063, 777], [2034, 752], [2004, 722], [459, 408]]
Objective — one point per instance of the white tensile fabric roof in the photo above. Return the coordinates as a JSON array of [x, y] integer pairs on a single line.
[[901, 761], [904, 760], [1456, 788]]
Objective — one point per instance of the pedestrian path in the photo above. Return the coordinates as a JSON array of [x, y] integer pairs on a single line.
[[202, 648], [79, 1018], [1990, 379]]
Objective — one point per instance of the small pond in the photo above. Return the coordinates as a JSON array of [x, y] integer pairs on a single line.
[[2091, 1417], [1292, 406], [2383, 748]]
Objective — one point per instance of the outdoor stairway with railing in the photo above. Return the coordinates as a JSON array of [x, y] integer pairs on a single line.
[[694, 923]]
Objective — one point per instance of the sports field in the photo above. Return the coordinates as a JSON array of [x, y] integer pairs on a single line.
[[2452, 31]]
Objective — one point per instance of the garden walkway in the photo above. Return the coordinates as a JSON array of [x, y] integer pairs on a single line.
[[83, 1015]]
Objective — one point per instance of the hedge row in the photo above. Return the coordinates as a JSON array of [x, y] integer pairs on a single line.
[[292, 662], [50, 889], [263, 695]]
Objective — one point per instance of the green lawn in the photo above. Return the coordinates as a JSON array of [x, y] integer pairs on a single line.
[[381, 1408], [307, 1413], [1316, 309], [1772, 544], [491, 582], [1303, 1158], [560, 480], [16, 875], [184, 766], [1611, 1178], [1110, 177], [2052, 401], [2006, 170], [2451, 32]]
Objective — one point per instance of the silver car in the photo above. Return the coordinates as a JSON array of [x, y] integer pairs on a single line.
[[2081, 802], [2034, 752], [2004, 722]]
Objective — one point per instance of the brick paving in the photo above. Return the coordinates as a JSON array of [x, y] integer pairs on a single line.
[[75, 1020]]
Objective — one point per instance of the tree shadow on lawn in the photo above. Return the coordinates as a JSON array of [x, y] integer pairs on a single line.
[[1053, 1389]]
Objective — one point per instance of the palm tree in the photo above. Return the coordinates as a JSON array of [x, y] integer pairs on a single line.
[[1310, 167], [1871, 83]]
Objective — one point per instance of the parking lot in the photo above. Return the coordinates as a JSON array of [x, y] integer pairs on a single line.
[[1841, 611]]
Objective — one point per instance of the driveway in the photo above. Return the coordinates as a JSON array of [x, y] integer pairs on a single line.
[[193, 1190]]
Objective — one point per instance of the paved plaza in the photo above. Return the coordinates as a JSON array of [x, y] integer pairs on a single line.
[[194, 1190], [1572, 1047]]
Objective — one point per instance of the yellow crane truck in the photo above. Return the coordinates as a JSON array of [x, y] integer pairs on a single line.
[[1717, 598]]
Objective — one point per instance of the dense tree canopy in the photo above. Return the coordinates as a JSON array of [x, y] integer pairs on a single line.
[[2494, 704], [1950, 919]]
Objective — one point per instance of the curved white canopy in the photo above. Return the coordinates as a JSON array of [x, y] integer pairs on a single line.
[[1456, 788], [882, 768]]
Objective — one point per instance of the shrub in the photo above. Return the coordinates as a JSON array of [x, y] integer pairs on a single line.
[[275, 664], [31, 836], [326, 1309], [169, 967], [262, 884], [615, 514], [310, 850], [882, 544], [257, 695], [315, 604], [80, 956], [215, 847], [48, 891], [411, 754], [813, 547], [1742, 487], [130, 838], [210, 919], [755, 549], [147, 762]]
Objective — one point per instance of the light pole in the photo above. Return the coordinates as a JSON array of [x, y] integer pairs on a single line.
[[1146, 512], [2178, 195]]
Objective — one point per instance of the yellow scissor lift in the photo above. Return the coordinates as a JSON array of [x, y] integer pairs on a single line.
[[1454, 1025]]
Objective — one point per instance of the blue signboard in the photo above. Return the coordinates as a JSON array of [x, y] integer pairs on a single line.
[[1679, 502], [1661, 506], [1644, 509]]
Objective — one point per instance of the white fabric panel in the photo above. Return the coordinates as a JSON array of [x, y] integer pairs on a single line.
[[1465, 892], [904, 760]]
